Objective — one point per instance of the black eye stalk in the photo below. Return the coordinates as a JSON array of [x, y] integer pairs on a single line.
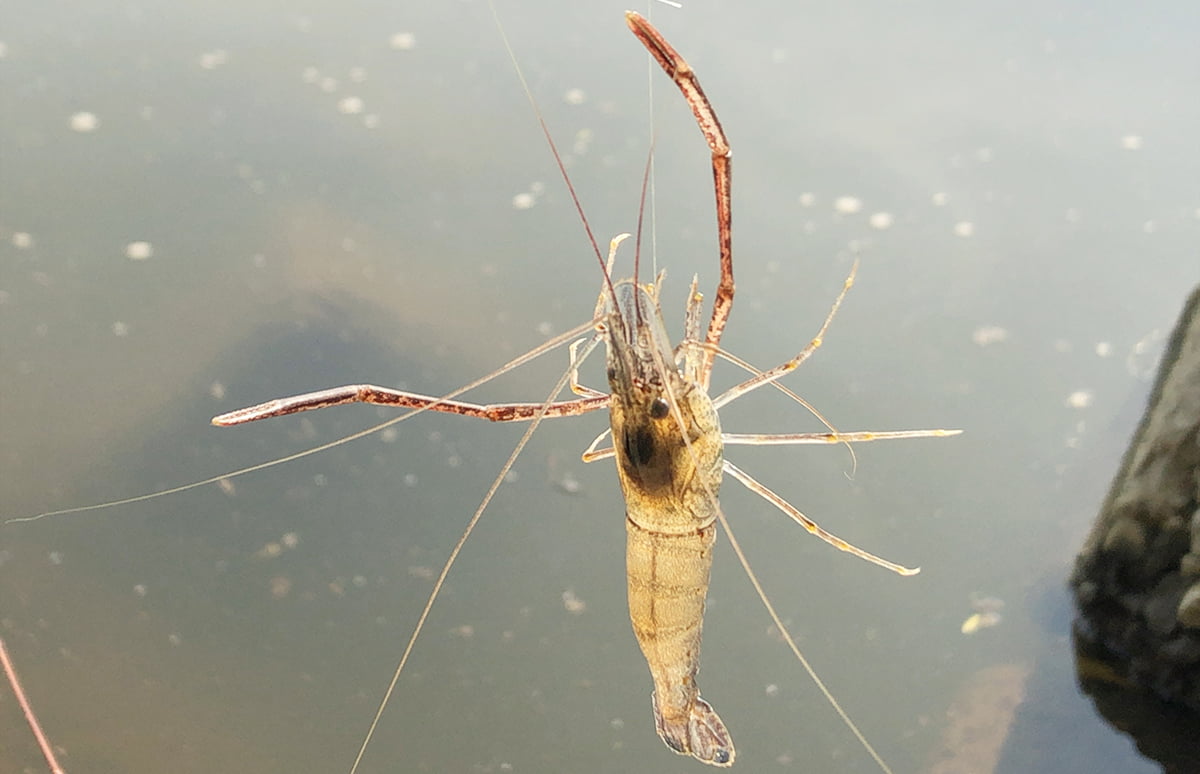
[[659, 409]]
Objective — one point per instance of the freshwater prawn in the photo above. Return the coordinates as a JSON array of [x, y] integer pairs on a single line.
[[667, 444]]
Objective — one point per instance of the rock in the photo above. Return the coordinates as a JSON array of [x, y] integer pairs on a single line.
[[1135, 579]]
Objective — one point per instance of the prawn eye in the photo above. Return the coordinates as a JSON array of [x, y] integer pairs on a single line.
[[659, 409]]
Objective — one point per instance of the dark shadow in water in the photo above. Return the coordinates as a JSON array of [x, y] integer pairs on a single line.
[[1163, 732]]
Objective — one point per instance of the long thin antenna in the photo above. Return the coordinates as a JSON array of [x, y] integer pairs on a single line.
[[450, 560], [652, 178], [791, 643], [562, 169]]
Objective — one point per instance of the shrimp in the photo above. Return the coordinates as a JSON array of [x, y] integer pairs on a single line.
[[667, 443]]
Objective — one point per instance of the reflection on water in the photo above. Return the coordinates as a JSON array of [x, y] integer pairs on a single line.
[[204, 207]]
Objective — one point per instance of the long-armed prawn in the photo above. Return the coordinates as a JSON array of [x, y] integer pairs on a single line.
[[667, 442]]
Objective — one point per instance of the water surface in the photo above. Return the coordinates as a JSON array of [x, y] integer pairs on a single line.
[[334, 194]]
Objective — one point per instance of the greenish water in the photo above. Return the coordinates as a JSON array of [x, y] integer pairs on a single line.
[[328, 200]]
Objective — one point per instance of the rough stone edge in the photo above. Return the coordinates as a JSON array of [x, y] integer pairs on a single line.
[[1137, 455]]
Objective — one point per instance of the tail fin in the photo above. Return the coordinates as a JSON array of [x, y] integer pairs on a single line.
[[701, 734]]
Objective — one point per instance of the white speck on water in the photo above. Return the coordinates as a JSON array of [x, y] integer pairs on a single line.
[[320, 479], [1103, 348], [84, 122], [511, 477], [545, 328], [881, 220], [403, 41], [583, 141], [359, 581], [1149, 227], [228, 487], [569, 484], [575, 97], [989, 334], [357, 74], [22, 240], [280, 586], [120, 329], [940, 199], [389, 435], [573, 603], [350, 106], [772, 689], [454, 461], [1073, 215], [211, 60], [466, 631], [523, 201], [310, 74], [980, 621], [139, 251], [216, 391], [1143, 357], [964, 228], [174, 639], [56, 557], [847, 205], [410, 479], [1131, 142], [140, 589], [1079, 399], [290, 539], [328, 85], [808, 199], [371, 121], [616, 724]]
